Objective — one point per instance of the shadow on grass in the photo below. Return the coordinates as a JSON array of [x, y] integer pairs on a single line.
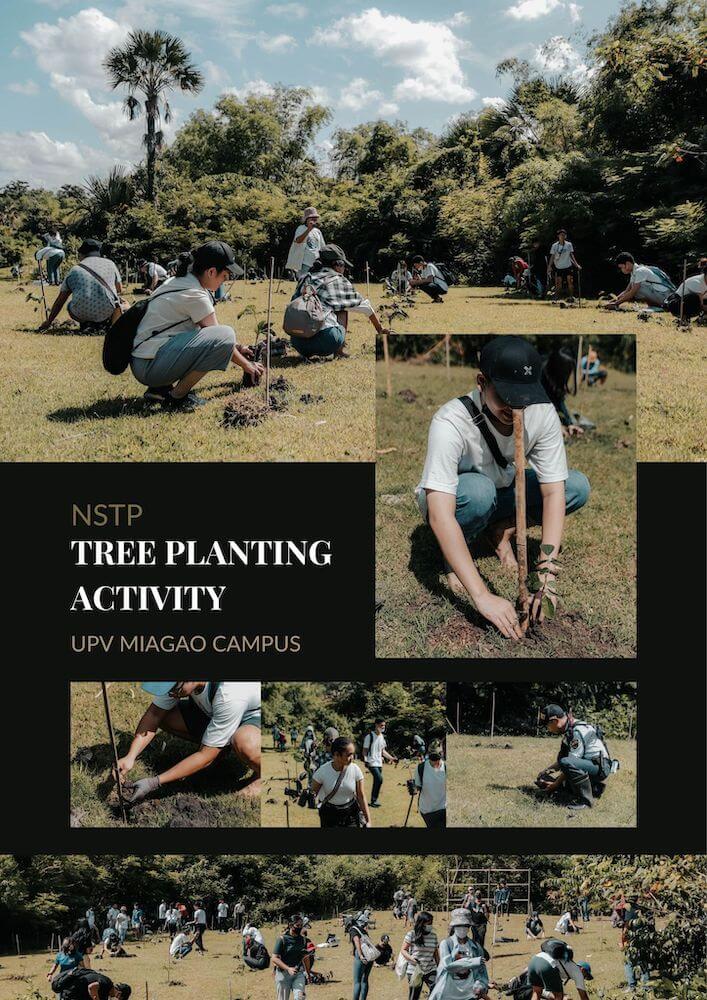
[[103, 409], [61, 330]]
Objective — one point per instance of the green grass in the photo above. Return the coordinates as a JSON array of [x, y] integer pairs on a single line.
[[419, 618], [394, 797], [493, 786], [208, 799], [208, 976], [57, 404]]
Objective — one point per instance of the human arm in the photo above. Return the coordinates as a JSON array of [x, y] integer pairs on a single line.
[[144, 734], [50, 974], [306, 229], [406, 953], [240, 354], [361, 799], [553, 496], [195, 762], [628, 295], [441, 509], [56, 308], [389, 757]]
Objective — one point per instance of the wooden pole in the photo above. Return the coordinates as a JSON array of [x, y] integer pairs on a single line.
[[17, 942], [447, 341], [388, 375], [287, 811], [579, 363], [493, 710], [111, 734], [458, 707], [368, 281], [521, 523], [41, 285], [682, 297], [147, 991], [267, 334]]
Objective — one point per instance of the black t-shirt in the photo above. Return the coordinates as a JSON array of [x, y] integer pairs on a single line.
[[76, 986], [291, 949], [478, 915]]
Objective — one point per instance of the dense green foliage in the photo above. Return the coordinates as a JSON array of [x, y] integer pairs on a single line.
[[620, 161], [352, 706], [612, 704]]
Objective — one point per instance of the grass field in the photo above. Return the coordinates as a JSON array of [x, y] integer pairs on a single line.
[[220, 973], [491, 783], [420, 618], [59, 405], [208, 799], [394, 795]]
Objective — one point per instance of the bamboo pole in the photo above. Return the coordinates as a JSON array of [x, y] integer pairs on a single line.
[[682, 297], [368, 281], [388, 374], [493, 710], [111, 734], [521, 523], [267, 334], [447, 343]]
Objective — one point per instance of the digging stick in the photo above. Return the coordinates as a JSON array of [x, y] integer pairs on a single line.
[[388, 376], [111, 734], [521, 524], [267, 334], [368, 281], [41, 285], [682, 297], [579, 288]]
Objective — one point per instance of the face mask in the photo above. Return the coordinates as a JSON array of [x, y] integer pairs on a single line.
[[462, 933], [426, 928], [296, 930]]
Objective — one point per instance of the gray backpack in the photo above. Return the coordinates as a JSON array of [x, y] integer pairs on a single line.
[[305, 314]]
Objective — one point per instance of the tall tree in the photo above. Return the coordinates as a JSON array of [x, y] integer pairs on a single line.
[[152, 63]]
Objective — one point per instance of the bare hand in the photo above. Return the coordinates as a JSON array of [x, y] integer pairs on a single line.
[[125, 766], [500, 613], [247, 352], [255, 370]]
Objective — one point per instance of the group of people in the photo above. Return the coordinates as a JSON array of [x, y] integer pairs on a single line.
[[558, 270], [333, 783]]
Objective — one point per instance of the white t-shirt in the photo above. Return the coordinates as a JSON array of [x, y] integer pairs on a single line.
[[303, 255], [563, 923], [327, 776], [199, 916], [186, 304], [433, 794], [561, 254], [455, 445], [48, 252], [177, 941], [238, 908], [432, 271], [155, 269], [122, 921], [373, 746], [253, 932], [223, 909], [162, 911], [230, 703], [697, 284]]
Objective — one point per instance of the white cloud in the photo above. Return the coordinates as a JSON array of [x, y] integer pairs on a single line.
[[276, 43], [575, 12], [46, 162], [427, 51], [459, 18], [560, 57], [357, 94], [320, 95], [493, 102], [214, 74], [166, 13], [291, 11], [531, 10], [388, 108], [253, 88], [29, 88], [76, 46]]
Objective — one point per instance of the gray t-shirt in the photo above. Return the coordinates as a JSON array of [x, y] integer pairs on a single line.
[[90, 301]]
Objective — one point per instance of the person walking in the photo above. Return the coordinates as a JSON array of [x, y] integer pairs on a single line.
[[421, 952], [291, 961], [122, 923], [374, 753], [431, 783], [199, 927]]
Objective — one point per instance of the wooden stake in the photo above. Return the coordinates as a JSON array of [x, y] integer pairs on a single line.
[[368, 281], [579, 364], [287, 811], [147, 991], [17, 942], [41, 285], [267, 334], [388, 375], [447, 341], [111, 734], [521, 524], [493, 710], [682, 297]]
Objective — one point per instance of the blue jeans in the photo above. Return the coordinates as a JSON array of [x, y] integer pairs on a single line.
[[321, 344], [377, 773], [361, 972], [569, 764], [631, 975], [479, 503], [54, 262]]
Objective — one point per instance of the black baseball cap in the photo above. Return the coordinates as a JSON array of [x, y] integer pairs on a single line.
[[552, 712], [217, 254], [90, 246], [514, 368], [333, 254]]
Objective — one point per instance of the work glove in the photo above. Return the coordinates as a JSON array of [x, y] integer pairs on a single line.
[[545, 778], [137, 791]]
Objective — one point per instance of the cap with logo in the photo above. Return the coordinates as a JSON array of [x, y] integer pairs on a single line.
[[514, 368], [586, 969]]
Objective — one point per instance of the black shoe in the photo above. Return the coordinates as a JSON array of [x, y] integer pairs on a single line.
[[156, 393], [186, 404], [374, 805], [579, 805]]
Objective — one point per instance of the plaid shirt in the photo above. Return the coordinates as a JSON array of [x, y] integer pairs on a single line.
[[334, 291]]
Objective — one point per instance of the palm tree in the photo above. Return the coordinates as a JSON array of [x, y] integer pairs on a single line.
[[152, 63], [101, 197]]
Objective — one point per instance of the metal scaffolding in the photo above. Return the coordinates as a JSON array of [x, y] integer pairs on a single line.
[[486, 880]]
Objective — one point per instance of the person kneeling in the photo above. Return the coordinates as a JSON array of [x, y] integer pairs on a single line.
[[467, 484], [179, 339], [93, 287], [429, 279]]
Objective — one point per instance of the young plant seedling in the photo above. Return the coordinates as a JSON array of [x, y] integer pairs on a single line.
[[542, 580]]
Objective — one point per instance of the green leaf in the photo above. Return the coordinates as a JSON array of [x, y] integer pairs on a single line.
[[548, 607], [547, 549]]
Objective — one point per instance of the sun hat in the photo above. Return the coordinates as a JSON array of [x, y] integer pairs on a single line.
[[460, 918], [310, 213]]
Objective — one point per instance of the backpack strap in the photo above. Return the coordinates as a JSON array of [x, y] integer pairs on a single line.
[[212, 689], [336, 787], [421, 773], [479, 420], [111, 291]]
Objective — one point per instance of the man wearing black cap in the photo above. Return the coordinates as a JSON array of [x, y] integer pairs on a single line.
[[338, 297], [583, 760], [94, 287], [467, 484]]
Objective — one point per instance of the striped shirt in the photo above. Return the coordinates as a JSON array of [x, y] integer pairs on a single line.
[[422, 953]]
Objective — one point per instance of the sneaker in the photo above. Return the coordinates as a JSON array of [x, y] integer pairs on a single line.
[[374, 805], [156, 393], [187, 404], [579, 805]]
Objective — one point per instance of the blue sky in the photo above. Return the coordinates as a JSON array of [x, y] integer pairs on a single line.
[[420, 62]]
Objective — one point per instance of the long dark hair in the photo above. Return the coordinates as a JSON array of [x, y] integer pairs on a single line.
[[184, 262], [422, 918], [68, 946], [559, 368]]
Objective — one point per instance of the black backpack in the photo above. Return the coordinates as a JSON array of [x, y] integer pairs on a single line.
[[447, 273], [120, 337], [557, 950], [72, 984], [257, 956]]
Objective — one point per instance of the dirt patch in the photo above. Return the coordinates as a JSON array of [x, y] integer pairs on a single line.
[[308, 398], [407, 395], [566, 634], [186, 811], [248, 409]]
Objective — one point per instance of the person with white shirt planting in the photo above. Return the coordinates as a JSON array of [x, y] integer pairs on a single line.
[[180, 945], [338, 788], [690, 297], [563, 264], [431, 783], [217, 715], [374, 753], [646, 283], [467, 485], [429, 279], [152, 273]]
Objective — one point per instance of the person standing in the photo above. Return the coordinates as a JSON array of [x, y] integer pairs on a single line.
[[357, 930], [222, 916], [374, 753], [461, 973], [479, 913], [137, 919], [431, 782], [291, 961], [468, 900], [637, 922], [239, 915], [421, 952], [122, 922], [411, 908], [162, 916], [563, 263], [294, 735], [307, 243], [199, 927], [338, 786]]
